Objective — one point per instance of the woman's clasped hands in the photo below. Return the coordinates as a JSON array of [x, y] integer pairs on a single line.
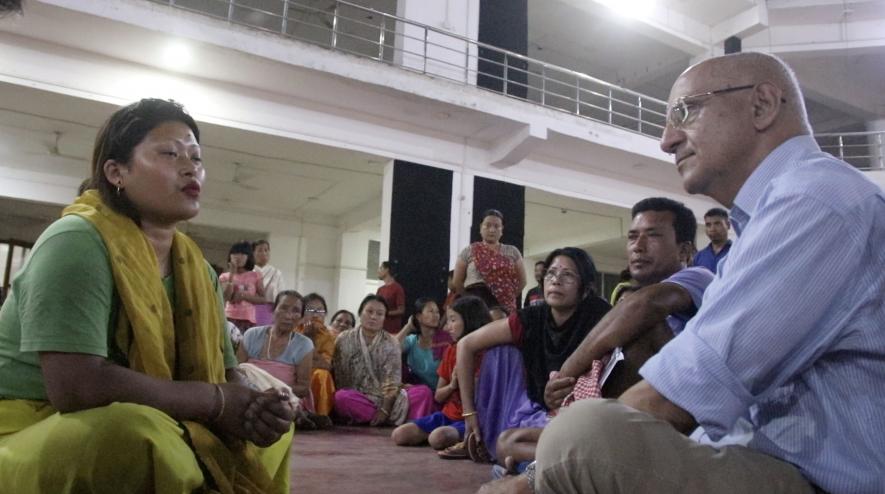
[[260, 417]]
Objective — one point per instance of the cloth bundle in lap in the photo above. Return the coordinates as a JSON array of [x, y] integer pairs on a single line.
[[165, 336]]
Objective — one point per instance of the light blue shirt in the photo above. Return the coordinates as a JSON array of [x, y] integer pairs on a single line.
[[695, 281], [255, 343], [791, 334]]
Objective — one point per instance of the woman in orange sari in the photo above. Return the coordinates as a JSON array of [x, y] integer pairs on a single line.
[[322, 387], [489, 269]]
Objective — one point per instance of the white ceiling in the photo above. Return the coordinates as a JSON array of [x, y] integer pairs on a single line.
[[709, 12], [787, 12], [553, 220], [247, 172], [596, 43], [587, 37], [54, 134]]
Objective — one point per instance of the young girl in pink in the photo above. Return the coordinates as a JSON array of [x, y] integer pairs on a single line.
[[446, 427], [242, 287]]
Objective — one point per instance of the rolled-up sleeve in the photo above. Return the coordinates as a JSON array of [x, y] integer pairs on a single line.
[[759, 325]]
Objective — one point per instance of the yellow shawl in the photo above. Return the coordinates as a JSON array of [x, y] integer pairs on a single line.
[[181, 343]]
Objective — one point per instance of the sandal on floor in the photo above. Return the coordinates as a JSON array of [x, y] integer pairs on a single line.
[[458, 451], [477, 450]]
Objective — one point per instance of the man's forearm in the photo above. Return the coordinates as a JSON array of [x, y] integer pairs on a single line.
[[628, 321], [645, 398]]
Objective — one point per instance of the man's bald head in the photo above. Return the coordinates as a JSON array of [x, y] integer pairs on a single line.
[[726, 115], [754, 68]]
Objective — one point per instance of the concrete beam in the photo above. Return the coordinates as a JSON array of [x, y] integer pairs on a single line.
[[853, 36], [37, 186], [512, 149], [791, 4], [639, 79], [366, 216], [747, 23]]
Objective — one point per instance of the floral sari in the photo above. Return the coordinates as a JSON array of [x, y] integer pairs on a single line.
[[499, 272]]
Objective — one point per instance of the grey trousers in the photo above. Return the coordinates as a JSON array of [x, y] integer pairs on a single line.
[[604, 446]]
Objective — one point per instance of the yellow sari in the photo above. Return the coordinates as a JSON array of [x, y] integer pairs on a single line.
[[183, 342]]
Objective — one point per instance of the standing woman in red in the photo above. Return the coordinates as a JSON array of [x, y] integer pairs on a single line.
[[489, 269]]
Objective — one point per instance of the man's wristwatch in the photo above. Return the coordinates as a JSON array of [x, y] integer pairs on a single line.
[[529, 473]]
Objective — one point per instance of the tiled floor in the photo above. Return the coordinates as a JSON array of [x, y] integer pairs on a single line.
[[363, 460]]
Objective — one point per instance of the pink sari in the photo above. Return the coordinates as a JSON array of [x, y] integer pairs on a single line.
[[499, 273], [285, 373]]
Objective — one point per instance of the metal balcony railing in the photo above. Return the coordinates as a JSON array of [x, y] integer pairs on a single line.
[[863, 150], [365, 32]]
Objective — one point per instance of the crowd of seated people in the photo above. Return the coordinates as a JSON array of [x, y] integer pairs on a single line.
[[114, 335]]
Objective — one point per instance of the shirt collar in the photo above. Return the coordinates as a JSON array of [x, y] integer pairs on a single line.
[[776, 163]]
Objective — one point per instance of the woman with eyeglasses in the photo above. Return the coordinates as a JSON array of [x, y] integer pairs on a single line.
[[522, 350], [489, 269], [322, 386]]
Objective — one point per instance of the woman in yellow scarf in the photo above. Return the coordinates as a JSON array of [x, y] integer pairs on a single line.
[[116, 373]]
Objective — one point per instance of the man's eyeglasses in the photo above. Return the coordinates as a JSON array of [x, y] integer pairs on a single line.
[[681, 111], [564, 277]]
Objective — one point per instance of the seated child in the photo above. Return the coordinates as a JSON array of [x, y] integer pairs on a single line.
[[445, 428]]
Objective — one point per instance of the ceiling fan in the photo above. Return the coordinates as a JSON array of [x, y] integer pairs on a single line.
[[241, 178], [53, 149]]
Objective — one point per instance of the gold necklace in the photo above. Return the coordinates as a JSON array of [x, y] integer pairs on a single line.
[[270, 342]]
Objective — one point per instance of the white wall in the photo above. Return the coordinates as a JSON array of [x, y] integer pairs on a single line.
[[352, 280], [447, 56]]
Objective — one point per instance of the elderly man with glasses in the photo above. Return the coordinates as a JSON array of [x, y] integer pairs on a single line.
[[790, 335]]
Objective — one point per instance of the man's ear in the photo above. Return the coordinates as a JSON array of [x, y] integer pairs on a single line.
[[686, 250], [767, 105]]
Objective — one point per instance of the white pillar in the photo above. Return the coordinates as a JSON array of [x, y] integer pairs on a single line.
[[386, 209], [877, 143], [462, 214], [353, 280], [433, 52], [284, 253]]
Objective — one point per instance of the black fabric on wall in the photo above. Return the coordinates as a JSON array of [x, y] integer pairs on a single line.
[[420, 223], [504, 24], [505, 197], [732, 45]]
